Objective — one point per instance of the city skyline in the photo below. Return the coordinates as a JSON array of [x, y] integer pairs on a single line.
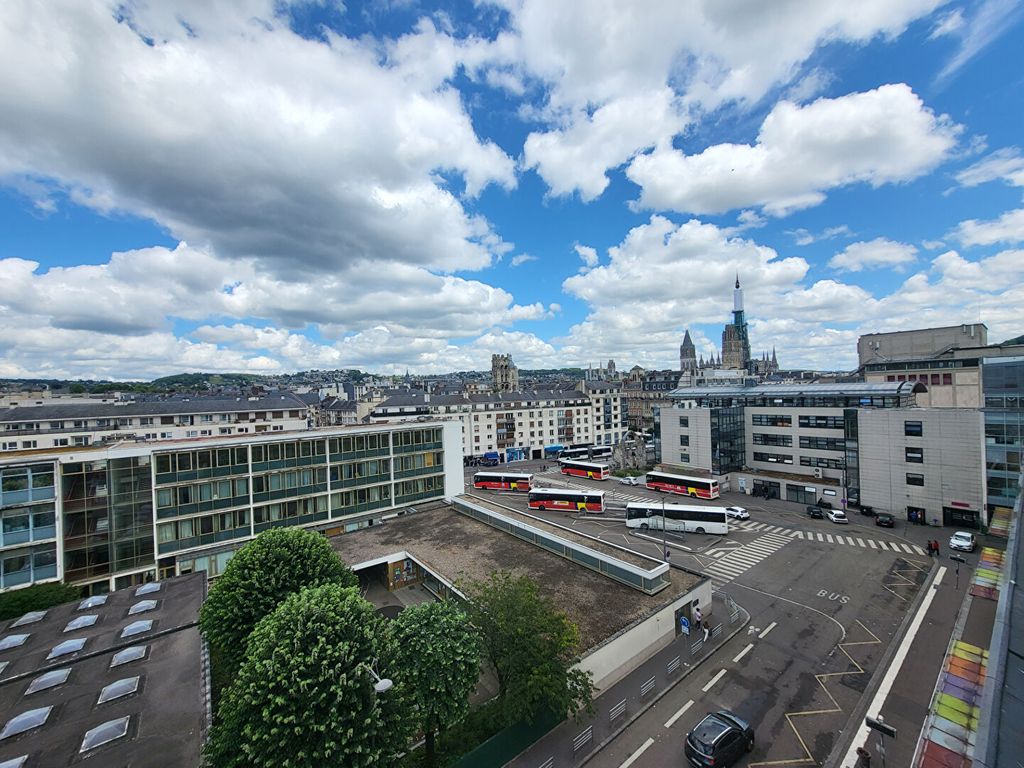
[[277, 187]]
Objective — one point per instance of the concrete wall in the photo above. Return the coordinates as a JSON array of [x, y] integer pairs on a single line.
[[963, 392], [795, 431], [626, 651], [953, 466], [927, 342], [454, 478], [698, 430]]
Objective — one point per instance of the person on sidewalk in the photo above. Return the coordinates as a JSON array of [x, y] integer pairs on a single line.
[[707, 631], [937, 548], [931, 551], [697, 617]]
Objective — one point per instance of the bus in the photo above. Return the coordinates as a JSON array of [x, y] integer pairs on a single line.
[[574, 453], [503, 481], [586, 452], [684, 485], [564, 498], [677, 517], [584, 469]]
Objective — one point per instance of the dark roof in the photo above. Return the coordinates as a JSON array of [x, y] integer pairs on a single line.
[[416, 398], [285, 401], [796, 390], [334, 404], [167, 713]]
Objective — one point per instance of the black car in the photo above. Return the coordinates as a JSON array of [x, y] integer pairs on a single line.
[[720, 739], [885, 520], [866, 510], [816, 512]]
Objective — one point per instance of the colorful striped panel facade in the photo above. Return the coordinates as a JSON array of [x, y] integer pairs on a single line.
[[988, 576], [951, 730], [999, 525]]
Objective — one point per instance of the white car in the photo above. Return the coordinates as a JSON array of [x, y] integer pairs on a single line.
[[737, 513], [629, 480], [836, 516], [963, 541]]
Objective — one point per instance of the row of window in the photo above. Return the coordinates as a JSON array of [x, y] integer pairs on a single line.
[[23, 478], [822, 422], [770, 420], [782, 441], [288, 510], [202, 526], [936, 378], [823, 443], [774, 458], [200, 492], [818, 461], [189, 461]]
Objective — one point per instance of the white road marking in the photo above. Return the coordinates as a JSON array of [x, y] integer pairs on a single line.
[[894, 669], [632, 758], [850, 539], [909, 550], [861, 543], [742, 653], [715, 679], [682, 711], [918, 550], [767, 629], [820, 537], [872, 544], [829, 537]]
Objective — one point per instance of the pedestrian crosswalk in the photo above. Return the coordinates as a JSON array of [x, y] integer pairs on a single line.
[[829, 538], [739, 561]]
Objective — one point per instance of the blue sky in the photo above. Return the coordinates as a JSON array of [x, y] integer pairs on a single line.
[[273, 186]]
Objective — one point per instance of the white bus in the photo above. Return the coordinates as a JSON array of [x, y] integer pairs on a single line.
[[677, 517]]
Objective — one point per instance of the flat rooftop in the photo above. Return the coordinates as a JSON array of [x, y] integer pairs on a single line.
[[161, 716], [459, 548]]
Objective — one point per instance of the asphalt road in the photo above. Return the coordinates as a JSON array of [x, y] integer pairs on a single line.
[[831, 598]]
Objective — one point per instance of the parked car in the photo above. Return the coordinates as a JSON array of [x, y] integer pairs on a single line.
[[824, 503], [629, 480], [885, 520], [866, 510], [836, 516], [962, 541], [720, 739], [816, 512], [737, 513]]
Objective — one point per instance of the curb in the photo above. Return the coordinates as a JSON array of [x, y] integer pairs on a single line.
[[857, 715], [616, 733]]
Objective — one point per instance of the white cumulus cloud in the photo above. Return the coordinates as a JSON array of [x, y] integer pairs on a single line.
[[874, 254]]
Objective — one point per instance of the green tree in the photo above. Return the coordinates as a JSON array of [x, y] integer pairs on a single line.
[[439, 658], [531, 644], [38, 597], [304, 696], [274, 565]]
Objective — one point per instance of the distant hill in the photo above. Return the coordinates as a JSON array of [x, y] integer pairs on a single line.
[[1011, 342]]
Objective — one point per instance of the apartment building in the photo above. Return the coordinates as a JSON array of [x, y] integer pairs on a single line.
[[110, 516], [857, 443], [57, 425], [519, 425]]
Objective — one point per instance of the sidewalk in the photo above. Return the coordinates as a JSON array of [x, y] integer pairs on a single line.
[[572, 743]]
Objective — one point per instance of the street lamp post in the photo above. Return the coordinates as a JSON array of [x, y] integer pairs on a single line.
[[382, 685]]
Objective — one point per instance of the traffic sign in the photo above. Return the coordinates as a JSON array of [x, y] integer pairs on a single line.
[[880, 726], [684, 625]]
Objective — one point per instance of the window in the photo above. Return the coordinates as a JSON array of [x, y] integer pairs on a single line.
[[785, 441], [29, 618], [914, 455], [105, 733], [684, 457], [684, 421], [12, 641], [68, 646], [134, 653], [118, 689], [48, 680], [771, 420], [684, 440], [913, 479], [947, 378], [137, 627], [81, 622], [26, 721], [912, 429]]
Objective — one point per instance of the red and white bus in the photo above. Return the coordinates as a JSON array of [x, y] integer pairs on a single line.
[[564, 498], [503, 481], [700, 487], [584, 469]]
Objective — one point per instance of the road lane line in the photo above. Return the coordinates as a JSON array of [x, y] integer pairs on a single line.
[[829, 537], [742, 653], [894, 668], [872, 544], [860, 542], [909, 550], [850, 539], [682, 711], [766, 630], [632, 758], [820, 537], [715, 679], [918, 550]]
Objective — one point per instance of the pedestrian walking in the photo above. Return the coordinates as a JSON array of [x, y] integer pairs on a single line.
[[697, 617], [707, 631], [937, 548], [931, 550]]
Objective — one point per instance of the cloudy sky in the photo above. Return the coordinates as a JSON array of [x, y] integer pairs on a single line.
[[272, 186]]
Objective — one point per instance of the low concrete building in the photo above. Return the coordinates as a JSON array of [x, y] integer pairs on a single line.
[[858, 443], [115, 680]]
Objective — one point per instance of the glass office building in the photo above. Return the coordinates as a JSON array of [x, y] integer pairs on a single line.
[[1003, 389]]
